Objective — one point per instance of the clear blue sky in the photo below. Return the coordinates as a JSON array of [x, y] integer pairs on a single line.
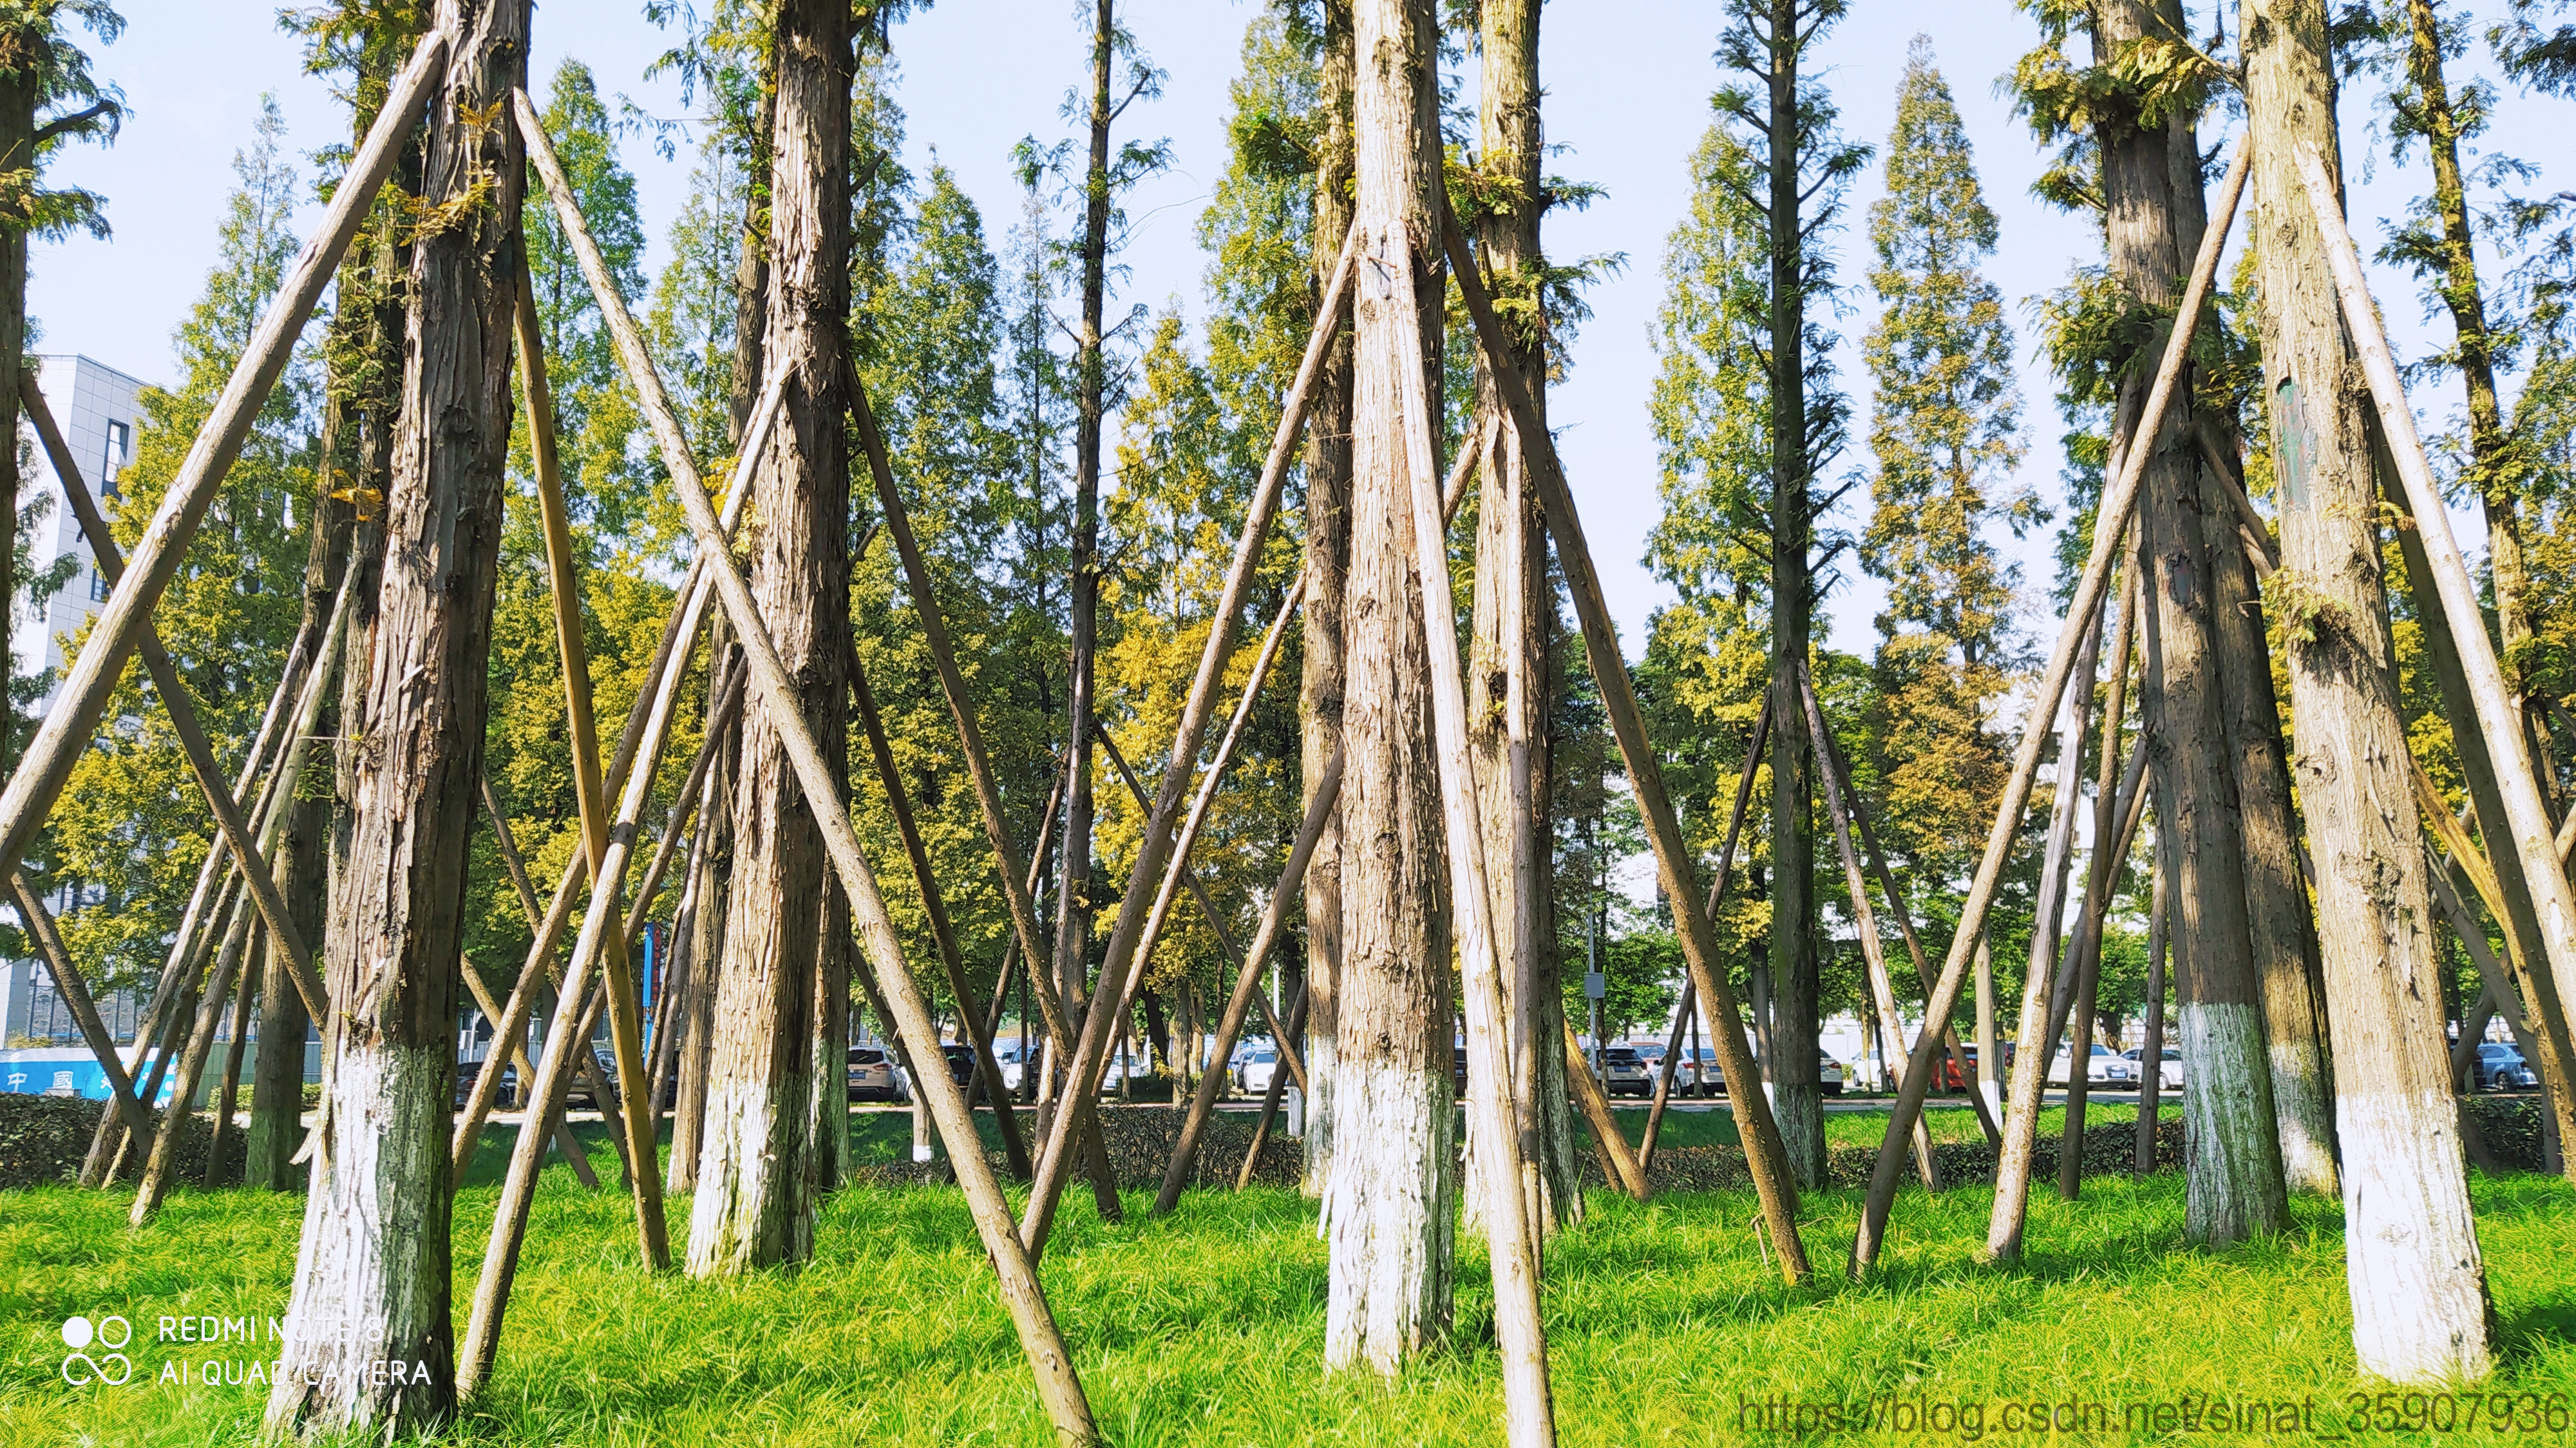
[[1628, 86]]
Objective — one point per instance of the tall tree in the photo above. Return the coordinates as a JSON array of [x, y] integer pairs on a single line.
[[1945, 432], [2411, 1258], [1514, 616], [1324, 674], [47, 98], [1106, 173], [1792, 167], [759, 1168], [373, 1268], [1390, 1204]]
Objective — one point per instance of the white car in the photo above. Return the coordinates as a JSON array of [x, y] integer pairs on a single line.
[[1829, 1075], [2106, 1068], [2168, 1076], [1252, 1075]]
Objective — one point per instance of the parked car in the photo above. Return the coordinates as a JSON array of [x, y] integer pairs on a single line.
[[1252, 1074], [1014, 1065], [1458, 1070], [2500, 1067], [2168, 1072], [1624, 1072], [961, 1063], [504, 1098], [2097, 1071], [1829, 1074], [1701, 1082], [875, 1075], [1946, 1076]]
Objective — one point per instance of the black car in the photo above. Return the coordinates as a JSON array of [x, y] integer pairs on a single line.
[[961, 1063], [506, 1098]]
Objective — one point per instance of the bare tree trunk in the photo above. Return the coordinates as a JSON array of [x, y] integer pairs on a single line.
[[1797, 1096], [1328, 561], [2277, 922], [367, 1295], [1391, 1198], [2411, 1258], [2234, 1153], [1507, 663], [757, 1176]]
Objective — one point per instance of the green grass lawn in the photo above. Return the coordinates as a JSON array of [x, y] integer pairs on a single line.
[[1207, 1328]]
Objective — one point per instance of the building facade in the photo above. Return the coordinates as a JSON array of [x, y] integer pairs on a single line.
[[98, 409]]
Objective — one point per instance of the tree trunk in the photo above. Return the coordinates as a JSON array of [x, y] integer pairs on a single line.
[[1798, 1099], [373, 1269], [1328, 561], [2278, 927], [2411, 1259], [712, 867], [2151, 1053], [2493, 469], [758, 1177], [1391, 1198], [1507, 662], [2234, 1154]]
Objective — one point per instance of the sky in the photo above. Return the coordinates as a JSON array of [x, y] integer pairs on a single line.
[[1628, 86]]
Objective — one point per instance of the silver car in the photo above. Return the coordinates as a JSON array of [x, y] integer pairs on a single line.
[[1624, 1071], [875, 1075]]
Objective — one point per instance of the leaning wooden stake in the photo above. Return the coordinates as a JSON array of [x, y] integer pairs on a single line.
[[2110, 524], [175, 701], [1873, 951], [80, 702], [1021, 1294], [2498, 721], [625, 1019], [1247, 981], [2151, 1059], [1764, 1154], [1626, 1171], [1270, 1100], [1753, 757], [970, 1013], [1529, 1412], [75, 993], [1091, 1054], [513, 1052], [1897, 907]]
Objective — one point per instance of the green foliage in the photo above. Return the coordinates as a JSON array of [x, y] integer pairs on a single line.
[[132, 826], [49, 72], [1944, 429]]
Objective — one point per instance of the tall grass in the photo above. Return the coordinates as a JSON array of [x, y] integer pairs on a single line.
[[1206, 1328]]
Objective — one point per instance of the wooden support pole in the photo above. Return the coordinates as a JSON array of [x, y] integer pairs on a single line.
[[625, 1017], [221, 1140], [1247, 979], [510, 1051], [1896, 906], [184, 723], [468, 1132], [1716, 896], [1022, 1295], [1270, 1100], [2151, 1056], [1873, 951], [75, 993], [1626, 1171], [80, 701], [174, 1004], [970, 1014], [2498, 720], [157, 1168], [663, 676], [2100, 878], [1153, 849], [1512, 1236], [2110, 524], [1764, 1154]]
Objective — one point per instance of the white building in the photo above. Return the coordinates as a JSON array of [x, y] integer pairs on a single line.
[[96, 407]]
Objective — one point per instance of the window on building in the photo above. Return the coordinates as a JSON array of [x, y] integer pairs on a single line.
[[97, 586], [120, 450]]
